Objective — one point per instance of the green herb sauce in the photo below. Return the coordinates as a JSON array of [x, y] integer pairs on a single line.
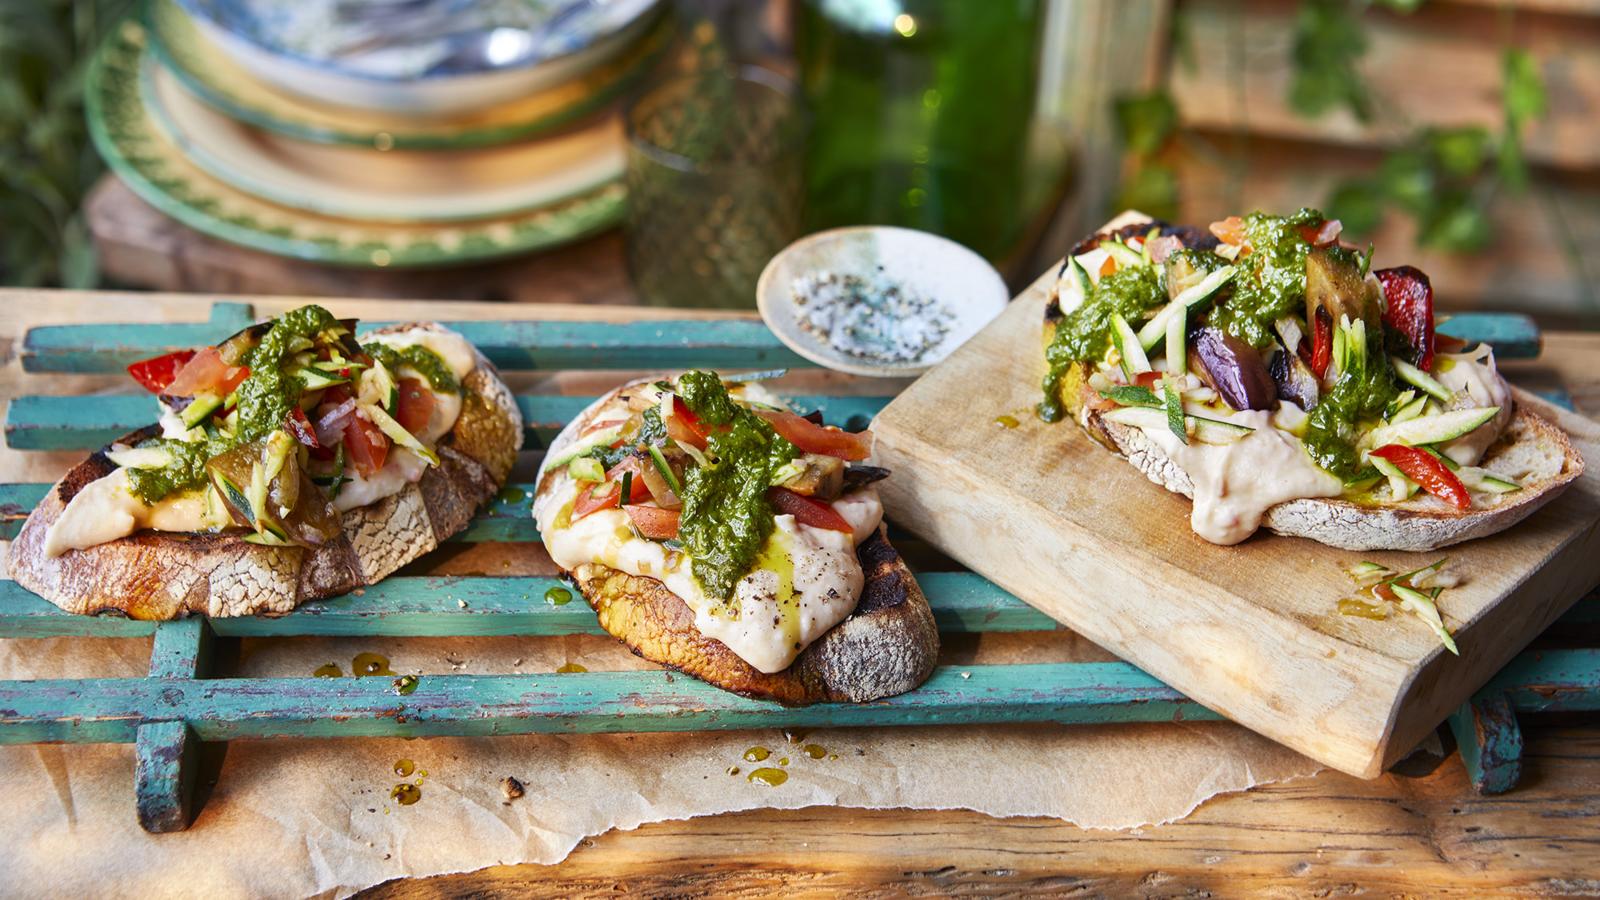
[[1084, 334], [1272, 279], [420, 359], [726, 517], [264, 401], [1357, 395]]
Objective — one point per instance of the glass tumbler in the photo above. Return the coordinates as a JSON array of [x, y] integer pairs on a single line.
[[715, 185]]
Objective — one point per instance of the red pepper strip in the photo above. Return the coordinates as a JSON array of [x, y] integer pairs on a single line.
[[807, 511], [1321, 342], [1426, 470], [1408, 302]]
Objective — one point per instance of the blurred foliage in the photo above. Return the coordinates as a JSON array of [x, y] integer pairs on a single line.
[[47, 164], [1442, 177], [1146, 123]]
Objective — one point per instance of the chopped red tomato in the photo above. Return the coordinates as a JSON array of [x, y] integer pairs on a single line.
[[1230, 231], [589, 501], [685, 426], [365, 445], [415, 407], [633, 465], [813, 438], [1147, 379], [1109, 266], [1428, 471], [807, 511], [1324, 235], [301, 428], [205, 372], [652, 522], [1408, 309], [155, 374]]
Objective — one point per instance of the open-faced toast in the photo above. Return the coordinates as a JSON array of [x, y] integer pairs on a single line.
[[1461, 483], [222, 571], [885, 642]]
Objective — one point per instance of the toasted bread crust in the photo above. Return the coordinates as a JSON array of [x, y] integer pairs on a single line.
[[161, 575], [887, 646]]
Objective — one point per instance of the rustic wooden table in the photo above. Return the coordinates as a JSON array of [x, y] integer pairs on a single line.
[[1419, 831]]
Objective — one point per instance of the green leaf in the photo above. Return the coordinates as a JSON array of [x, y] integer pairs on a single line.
[[1153, 190], [1510, 162], [1408, 180], [1404, 6], [1455, 224], [1460, 151], [1524, 93], [1358, 204], [1328, 43], [1146, 121]]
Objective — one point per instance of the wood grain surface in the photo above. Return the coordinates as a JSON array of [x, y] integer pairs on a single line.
[[1419, 834]]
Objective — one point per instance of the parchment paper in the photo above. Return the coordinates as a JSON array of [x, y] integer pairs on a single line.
[[301, 818]]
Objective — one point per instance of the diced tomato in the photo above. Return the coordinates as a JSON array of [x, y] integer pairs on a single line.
[[365, 445], [1321, 342], [1147, 379], [1324, 235], [807, 511], [685, 426], [633, 465], [1109, 266], [1230, 231], [301, 428], [589, 502], [155, 374], [1408, 302], [205, 372], [653, 522], [813, 438], [1428, 471], [415, 407]]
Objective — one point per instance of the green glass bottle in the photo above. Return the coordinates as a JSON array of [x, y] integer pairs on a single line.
[[921, 113]]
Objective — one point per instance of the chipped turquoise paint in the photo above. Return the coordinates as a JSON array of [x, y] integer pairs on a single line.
[[111, 709], [666, 344], [431, 606], [35, 422], [1490, 740]]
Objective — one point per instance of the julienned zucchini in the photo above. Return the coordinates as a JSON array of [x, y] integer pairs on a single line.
[[1207, 430], [202, 406], [141, 458], [398, 433], [315, 379], [599, 438], [1126, 256], [1434, 429], [1421, 380], [1155, 329], [1130, 354]]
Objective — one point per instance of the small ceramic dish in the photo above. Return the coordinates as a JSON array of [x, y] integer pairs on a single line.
[[901, 300]]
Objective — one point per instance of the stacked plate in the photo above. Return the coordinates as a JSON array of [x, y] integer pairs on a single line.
[[253, 121]]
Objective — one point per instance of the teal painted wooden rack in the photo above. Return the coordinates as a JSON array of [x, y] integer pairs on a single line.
[[183, 702]]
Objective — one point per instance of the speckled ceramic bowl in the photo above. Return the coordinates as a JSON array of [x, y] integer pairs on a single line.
[[960, 282]]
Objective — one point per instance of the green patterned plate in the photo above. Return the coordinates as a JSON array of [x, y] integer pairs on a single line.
[[137, 150], [211, 75]]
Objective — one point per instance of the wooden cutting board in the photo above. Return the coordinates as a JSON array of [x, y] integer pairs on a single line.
[[1252, 631]]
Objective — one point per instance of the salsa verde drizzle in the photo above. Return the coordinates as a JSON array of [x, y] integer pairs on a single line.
[[726, 517]]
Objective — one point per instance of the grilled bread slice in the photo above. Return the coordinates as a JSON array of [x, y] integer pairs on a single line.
[[1531, 451], [163, 575], [887, 646]]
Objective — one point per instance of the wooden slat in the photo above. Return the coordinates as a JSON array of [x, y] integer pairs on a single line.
[[416, 606], [668, 343], [36, 422], [101, 710]]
